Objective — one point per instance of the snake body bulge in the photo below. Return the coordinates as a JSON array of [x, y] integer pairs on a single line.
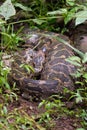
[[56, 72]]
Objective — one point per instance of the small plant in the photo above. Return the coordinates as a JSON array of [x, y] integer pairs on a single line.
[[54, 108], [5, 88], [83, 116], [9, 39], [3, 76], [27, 67], [81, 93], [73, 10], [17, 119]]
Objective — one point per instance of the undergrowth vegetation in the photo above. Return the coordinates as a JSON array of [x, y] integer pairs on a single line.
[[53, 16]]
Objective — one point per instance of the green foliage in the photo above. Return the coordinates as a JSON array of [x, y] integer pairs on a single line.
[[7, 9], [3, 76], [80, 129], [54, 108], [43, 14], [9, 39], [81, 17], [81, 93], [29, 68], [83, 115], [17, 119], [5, 89], [75, 10]]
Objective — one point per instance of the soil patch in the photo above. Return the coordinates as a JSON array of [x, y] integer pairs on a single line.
[[57, 123]]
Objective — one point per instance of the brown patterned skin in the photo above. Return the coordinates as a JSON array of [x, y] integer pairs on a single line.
[[56, 71], [21, 60], [57, 67]]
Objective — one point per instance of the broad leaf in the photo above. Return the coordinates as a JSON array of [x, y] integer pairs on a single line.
[[81, 17], [7, 9]]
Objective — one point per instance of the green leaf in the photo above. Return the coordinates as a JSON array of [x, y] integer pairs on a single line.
[[70, 2], [70, 15], [25, 8], [80, 129], [7, 9], [5, 110], [80, 83], [60, 11], [81, 17], [84, 60], [2, 21], [74, 60], [85, 75], [76, 75], [42, 103], [74, 63], [4, 82], [38, 21], [79, 98], [29, 68]]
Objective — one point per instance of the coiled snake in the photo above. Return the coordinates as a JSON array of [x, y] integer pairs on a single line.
[[49, 62]]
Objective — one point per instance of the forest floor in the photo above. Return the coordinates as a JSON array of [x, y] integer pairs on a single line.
[[63, 122]]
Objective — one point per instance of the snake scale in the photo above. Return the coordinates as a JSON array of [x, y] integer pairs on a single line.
[[48, 60]]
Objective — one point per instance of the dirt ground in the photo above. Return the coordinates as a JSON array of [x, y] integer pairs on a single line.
[[57, 123]]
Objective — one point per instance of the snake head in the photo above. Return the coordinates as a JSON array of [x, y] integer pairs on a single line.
[[39, 60]]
